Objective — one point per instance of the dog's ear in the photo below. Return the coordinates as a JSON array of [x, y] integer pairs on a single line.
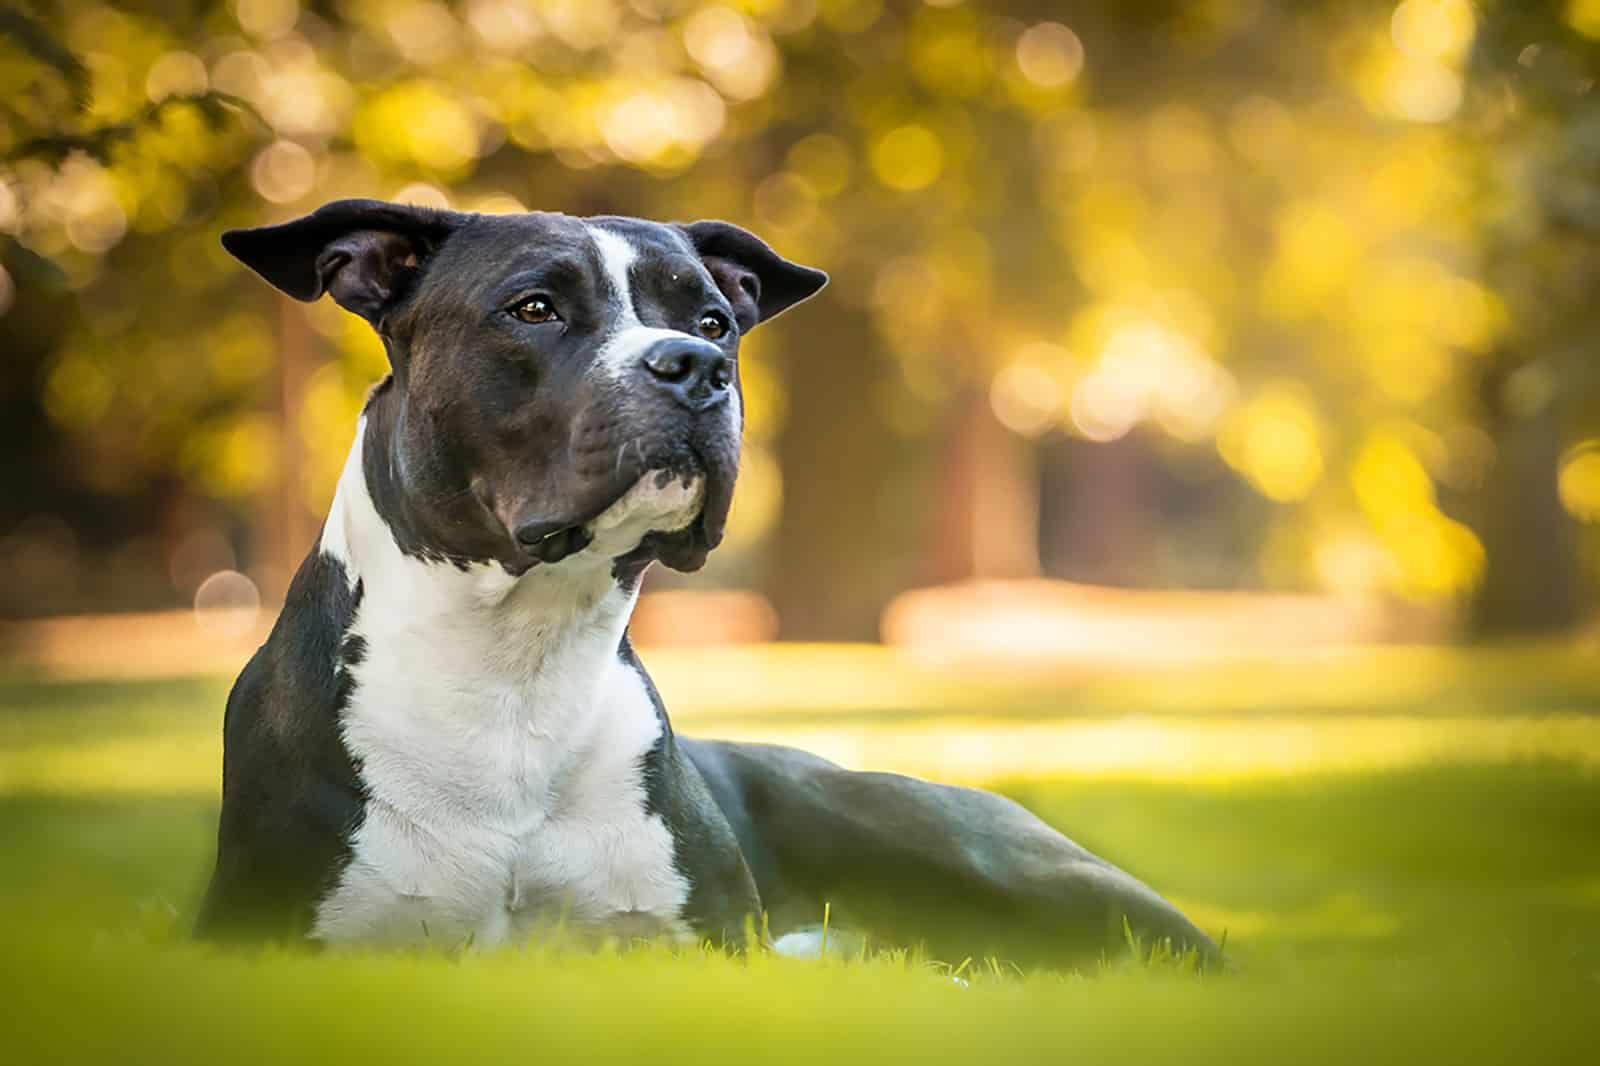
[[758, 282], [365, 253]]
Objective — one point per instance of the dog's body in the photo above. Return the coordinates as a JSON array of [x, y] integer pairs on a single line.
[[447, 737]]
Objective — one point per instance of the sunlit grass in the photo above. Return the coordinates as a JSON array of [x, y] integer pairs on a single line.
[[870, 707], [1401, 848]]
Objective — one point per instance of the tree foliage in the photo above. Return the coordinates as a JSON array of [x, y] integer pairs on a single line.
[[1340, 254]]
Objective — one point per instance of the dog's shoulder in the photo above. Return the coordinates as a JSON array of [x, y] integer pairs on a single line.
[[292, 794], [706, 849]]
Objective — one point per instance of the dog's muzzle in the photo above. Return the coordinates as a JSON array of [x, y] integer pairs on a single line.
[[686, 432]]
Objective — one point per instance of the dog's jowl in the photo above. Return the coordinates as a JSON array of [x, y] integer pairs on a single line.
[[447, 736]]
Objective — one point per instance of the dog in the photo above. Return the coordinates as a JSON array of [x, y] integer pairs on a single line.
[[448, 738]]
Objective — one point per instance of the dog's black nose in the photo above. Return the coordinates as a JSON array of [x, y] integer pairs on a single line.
[[693, 371]]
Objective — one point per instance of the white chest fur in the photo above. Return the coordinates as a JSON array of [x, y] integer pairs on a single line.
[[500, 739]]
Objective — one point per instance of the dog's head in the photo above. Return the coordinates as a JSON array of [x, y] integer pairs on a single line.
[[559, 384]]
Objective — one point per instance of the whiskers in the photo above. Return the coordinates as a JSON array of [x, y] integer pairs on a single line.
[[622, 451]]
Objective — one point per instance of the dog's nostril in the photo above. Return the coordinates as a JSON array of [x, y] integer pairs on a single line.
[[669, 364]]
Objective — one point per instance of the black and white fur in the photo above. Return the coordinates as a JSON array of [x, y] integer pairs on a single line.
[[448, 738]]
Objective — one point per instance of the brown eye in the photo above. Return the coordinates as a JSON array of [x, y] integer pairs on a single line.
[[535, 310], [712, 326]]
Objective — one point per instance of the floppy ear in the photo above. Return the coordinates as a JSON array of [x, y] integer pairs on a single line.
[[758, 282], [365, 253]]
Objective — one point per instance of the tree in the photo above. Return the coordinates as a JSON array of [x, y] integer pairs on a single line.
[[1535, 66]]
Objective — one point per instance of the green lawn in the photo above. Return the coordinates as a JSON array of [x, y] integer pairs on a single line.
[[1418, 880]]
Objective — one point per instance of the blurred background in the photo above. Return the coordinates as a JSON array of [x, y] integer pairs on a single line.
[[1155, 327]]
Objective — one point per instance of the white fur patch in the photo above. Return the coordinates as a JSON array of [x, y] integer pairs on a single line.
[[657, 502], [628, 339], [499, 737]]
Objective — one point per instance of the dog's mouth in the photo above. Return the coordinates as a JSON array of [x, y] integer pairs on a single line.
[[675, 512], [685, 549], [554, 545]]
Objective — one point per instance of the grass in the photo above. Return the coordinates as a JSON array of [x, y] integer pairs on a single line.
[[1403, 848]]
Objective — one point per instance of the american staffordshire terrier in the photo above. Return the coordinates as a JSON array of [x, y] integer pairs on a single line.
[[447, 736]]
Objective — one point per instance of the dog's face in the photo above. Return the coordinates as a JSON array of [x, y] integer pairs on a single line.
[[560, 384]]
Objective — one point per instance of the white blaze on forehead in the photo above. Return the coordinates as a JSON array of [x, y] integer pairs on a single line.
[[628, 338], [617, 256]]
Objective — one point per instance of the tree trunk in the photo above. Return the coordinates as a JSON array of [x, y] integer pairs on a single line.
[[1531, 582], [987, 507], [1095, 524], [287, 526], [851, 523]]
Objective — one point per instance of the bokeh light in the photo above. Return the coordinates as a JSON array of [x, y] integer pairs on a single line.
[[176, 74], [908, 158], [1579, 481], [1274, 440], [267, 19], [1049, 54], [283, 172], [1584, 16], [227, 602], [733, 52], [1026, 398]]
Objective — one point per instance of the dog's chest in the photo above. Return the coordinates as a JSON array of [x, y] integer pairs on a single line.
[[504, 792]]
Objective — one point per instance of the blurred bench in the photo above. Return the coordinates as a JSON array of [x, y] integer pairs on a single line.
[[1040, 620]]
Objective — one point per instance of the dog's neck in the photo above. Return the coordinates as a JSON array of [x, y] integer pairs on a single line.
[[569, 617], [501, 738]]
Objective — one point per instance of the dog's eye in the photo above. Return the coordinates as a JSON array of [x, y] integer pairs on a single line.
[[712, 326], [535, 310]]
